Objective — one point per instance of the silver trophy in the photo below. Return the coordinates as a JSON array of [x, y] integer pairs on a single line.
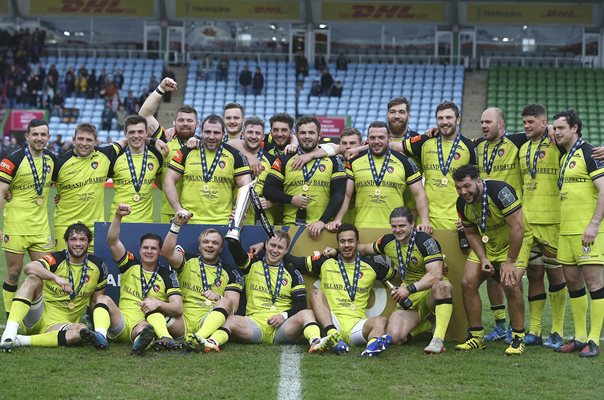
[[241, 205]]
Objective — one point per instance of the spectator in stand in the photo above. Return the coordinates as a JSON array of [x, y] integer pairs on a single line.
[[69, 82], [107, 117], [118, 78], [58, 102], [320, 63], [336, 89], [341, 62], [55, 146], [326, 82], [4, 147], [93, 87], [301, 66], [120, 117], [131, 103], [258, 82], [82, 84], [101, 80], [54, 74], [205, 68], [10, 92], [245, 79], [222, 70]]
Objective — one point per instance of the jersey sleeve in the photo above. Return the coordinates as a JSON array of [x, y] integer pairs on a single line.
[[308, 265], [241, 166], [235, 282], [51, 261], [518, 139], [428, 247], [504, 196], [103, 271], [171, 281], [338, 171], [278, 168], [9, 166], [111, 150], [471, 149], [158, 155], [412, 172], [379, 246], [383, 272], [595, 168], [128, 260], [461, 212], [177, 163], [413, 146]]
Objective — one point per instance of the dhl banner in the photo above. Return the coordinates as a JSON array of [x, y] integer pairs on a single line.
[[247, 10], [94, 8], [384, 11], [530, 13], [380, 302]]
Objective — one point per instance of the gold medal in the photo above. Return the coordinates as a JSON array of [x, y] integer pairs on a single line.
[[71, 305], [378, 192], [352, 306], [206, 188], [208, 303], [136, 197], [444, 181], [39, 201], [273, 307], [485, 239], [306, 187]]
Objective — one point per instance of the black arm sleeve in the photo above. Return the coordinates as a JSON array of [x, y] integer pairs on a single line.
[[241, 258], [336, 193], [273, 190], [299, 303]]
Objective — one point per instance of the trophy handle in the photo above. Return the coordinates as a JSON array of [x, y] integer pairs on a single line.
[[241, 205]]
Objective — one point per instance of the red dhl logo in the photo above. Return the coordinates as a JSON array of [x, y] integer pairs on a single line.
[[7, 167], [382, 11], [92, 6]]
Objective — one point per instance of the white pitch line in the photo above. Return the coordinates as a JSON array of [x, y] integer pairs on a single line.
[[290, 386]]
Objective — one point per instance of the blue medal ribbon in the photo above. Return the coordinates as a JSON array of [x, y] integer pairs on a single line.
[[267, 277], [378, 178], [533, 169], [571, 153], [204, 277], [487, 162], [352, 290], [145, 287], [37, 184], [77, 290], [482, 220], [444, 167], [207, 175], [404, 267], [309, 174], [137, 183]]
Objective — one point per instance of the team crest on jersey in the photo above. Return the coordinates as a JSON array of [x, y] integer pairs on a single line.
[[542, 154], [572, 165], [221, 164], [156, 288], [87, 278], [6, 238], [150, 166], [48, 169], [456, 156], [218, 283], [506, 197], [94, 164], [390, 170], [431, 246], [322, 167], [284, 282], [414, 260], [361, 274], [586, 249], [501, 152]]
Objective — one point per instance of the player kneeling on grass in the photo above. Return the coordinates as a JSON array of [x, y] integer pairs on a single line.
[[149, 292], [210, 288], [425, 291], [54, 296], [276, 301], [346, 282]]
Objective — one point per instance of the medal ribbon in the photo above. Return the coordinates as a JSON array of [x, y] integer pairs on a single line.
[[137, 183], [204, 277], [571, 153], [144, 286], [378, 178], [444, 167], [267, 277], [533, 169], [207, 175], [38, 185], [482, 221], [75, 292], [404, 267], [488, 165], [352, 290], [309, 174]]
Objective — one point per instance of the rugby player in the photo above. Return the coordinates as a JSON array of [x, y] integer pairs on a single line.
[[233, 115]]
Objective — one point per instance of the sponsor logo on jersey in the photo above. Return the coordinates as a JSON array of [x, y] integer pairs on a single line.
[[50, 259], [431, 246], [586, 249], [7, 166], [178, 156], [277, 164], [506, 197]]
